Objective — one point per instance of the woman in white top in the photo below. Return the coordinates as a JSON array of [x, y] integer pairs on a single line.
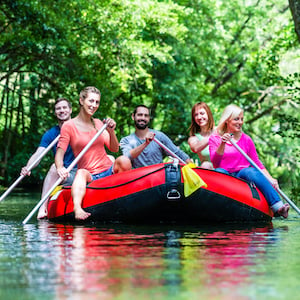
[[201, 128]]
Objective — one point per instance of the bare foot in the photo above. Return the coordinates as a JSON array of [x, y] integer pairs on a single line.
[[284, 210], [80, 214], [42, 214]]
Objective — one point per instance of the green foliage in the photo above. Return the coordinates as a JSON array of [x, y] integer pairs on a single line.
[[165, 54]]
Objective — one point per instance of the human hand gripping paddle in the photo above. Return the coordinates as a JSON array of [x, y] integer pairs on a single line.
[[29, 168], [192, 181], [289, 201], [70, 167]]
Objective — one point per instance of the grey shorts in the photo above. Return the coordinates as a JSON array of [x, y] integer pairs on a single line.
[[70, 178]]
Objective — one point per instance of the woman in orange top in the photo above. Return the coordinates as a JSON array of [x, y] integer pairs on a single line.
[[95, 163]]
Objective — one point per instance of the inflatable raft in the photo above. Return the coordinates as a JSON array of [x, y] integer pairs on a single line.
[[155, 194]]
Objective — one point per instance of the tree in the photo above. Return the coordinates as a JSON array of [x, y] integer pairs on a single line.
[[165, 54], [295, 9]]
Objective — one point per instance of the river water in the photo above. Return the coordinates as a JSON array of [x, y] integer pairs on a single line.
[[42, 260]]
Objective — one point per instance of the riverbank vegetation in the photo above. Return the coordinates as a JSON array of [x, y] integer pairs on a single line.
[[167, 54]]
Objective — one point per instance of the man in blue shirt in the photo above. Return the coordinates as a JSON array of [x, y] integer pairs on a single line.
[[138, 147], [62, 111]]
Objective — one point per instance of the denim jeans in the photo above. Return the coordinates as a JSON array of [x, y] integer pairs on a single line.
[[252, 175], [103, 174], [69, 180]]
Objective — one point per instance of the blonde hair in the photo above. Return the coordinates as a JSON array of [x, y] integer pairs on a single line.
[[230, 112], [89, 89]]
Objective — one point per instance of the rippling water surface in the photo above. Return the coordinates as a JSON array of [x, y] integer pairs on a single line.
[[42, 260]]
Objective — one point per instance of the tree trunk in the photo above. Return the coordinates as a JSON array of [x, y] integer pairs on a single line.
[[295, 9]]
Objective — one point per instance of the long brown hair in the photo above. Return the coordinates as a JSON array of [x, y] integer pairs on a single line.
[[194, 127]]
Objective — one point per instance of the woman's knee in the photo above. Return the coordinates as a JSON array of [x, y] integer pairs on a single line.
[[249, 174], [83, 174], [207, 165], [122, 164]]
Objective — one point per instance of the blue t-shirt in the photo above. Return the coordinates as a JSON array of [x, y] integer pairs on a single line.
[[48, 138], [153, 153]]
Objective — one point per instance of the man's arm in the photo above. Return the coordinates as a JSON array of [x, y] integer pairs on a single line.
[[169, 144], [139, 149], [132, 153], [34, 156]]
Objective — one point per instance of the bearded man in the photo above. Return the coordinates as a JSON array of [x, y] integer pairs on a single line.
[[139, 147]]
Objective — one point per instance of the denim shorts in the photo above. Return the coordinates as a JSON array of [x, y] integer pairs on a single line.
[[69, 180], [103, 174]]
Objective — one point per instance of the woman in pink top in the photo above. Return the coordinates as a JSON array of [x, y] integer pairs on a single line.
[[95, 163], [227, 159]]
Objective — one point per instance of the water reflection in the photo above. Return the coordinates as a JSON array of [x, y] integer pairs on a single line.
[[50, 261], [138, 262]]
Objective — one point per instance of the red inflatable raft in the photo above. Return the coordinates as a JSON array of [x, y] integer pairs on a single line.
[[154, 194]]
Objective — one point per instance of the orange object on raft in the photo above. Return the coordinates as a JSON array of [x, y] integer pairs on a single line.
[[155, 194]]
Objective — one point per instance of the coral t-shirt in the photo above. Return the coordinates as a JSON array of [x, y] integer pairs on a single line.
[[95, 160]]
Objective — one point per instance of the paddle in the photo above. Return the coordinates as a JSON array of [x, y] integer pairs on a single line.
[[258, 169], [70, 167], [168, 150], [29, 168], [192, 181]]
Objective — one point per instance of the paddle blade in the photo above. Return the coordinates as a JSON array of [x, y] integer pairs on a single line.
[[191, 180]]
